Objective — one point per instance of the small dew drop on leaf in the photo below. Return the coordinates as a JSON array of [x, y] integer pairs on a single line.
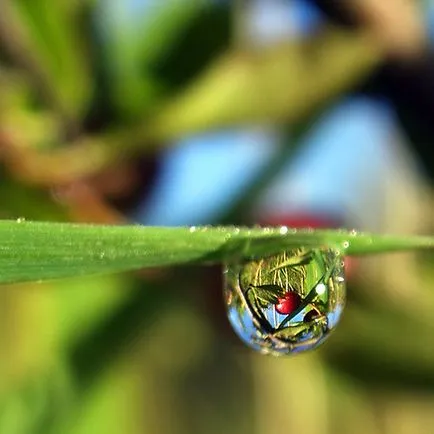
[[286, 303], [283, 230]]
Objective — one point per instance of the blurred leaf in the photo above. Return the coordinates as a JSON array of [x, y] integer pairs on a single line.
[[101, 410], [207, 35], [83, 304], [277, 84], [102, 345], [34, 251], [93, 330], [392, 350], [281, 83], [39, 404], [45, 37], [35, 203], [133, 39]]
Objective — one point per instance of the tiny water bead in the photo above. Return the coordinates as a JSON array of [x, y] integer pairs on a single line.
[[286, 303]]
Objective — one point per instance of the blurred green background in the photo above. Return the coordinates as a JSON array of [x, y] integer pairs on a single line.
[[182, 112]]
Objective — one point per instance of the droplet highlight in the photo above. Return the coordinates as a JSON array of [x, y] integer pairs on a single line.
[[286, 303]]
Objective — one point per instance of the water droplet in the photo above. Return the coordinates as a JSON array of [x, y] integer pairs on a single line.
[[286, 303], [283, 230]]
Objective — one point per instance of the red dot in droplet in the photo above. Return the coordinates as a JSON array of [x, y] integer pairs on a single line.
[[288, 303]]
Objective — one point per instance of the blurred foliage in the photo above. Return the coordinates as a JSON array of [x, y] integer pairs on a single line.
[[89, 94]]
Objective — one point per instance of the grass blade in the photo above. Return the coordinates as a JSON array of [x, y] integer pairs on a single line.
[[36, 250]]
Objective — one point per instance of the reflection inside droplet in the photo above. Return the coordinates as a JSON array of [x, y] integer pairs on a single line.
[[286, 303]]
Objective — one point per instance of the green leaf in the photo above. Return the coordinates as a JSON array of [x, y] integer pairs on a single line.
[[286, 82], [207, 35], [292, 331], [37, 250], [49, 42], [268, 293], [295, 261], [133, 43]]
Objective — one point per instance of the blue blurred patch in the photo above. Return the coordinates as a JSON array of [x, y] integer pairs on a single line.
[[345, 154], [202, 176]]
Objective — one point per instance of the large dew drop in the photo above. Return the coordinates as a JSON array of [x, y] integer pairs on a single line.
[[286, 303]]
